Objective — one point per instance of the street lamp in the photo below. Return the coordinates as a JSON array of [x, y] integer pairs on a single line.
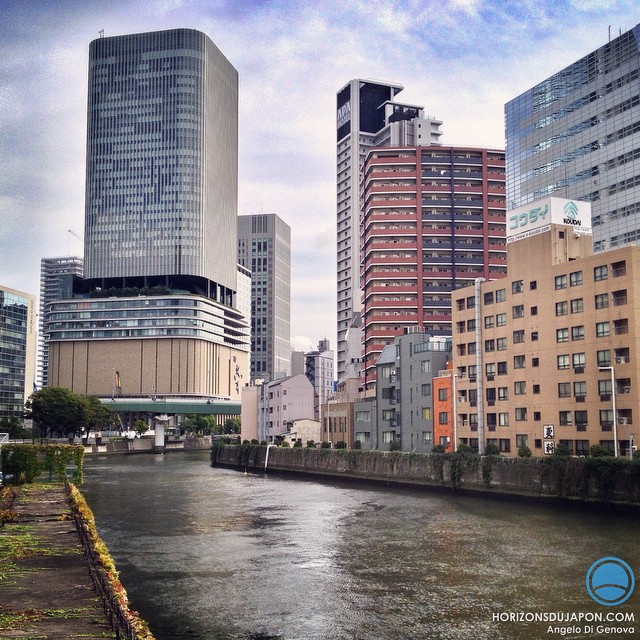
[[613, 404]]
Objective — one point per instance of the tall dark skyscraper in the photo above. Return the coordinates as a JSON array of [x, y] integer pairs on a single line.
[[160, 311], [162, 158]]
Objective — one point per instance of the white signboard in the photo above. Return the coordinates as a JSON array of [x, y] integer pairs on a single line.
[[537, 217], [344, 114]]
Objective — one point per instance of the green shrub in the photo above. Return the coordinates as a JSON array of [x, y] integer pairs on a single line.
[[357, 444], [325, 445], [464, 448], [311, 444], [285, 444], [396, 445], [598, 451], [297, 443], [491, 450], [438, 448], [341, 444], [524, 451]]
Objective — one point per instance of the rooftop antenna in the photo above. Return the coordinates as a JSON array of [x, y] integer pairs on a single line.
[[101, 32]]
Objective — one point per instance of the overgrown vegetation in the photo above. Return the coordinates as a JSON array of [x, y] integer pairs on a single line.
[[601, 478], [23, 463]]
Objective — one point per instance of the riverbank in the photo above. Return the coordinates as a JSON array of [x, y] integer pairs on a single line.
[[580, 480], [47, 579], [147, 445]]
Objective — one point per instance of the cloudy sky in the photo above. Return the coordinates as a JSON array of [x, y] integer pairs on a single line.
[[460, 59]]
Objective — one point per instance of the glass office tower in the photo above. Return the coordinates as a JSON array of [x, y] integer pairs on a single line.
[[577, 135], [161, 183]]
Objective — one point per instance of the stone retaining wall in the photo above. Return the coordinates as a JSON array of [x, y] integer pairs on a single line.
[[605, 480]]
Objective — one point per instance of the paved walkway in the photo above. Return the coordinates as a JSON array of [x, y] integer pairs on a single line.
[[45, 586]]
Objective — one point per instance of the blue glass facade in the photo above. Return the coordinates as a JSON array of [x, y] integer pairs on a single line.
[[17, 350], [161, 183], [577, 135]]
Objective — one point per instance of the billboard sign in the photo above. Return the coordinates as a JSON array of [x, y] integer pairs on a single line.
[[537, 217]]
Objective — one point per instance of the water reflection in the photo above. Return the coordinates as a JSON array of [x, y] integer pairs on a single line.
[[211, 553]]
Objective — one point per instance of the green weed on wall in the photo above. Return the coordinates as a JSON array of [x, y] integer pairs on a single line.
[[22, 463]]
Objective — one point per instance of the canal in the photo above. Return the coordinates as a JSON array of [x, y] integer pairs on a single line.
[[213, 554]]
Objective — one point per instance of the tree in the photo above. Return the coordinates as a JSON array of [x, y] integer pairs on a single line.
[[98, 415], [141, 427], [14, 427], [57, 411], [491, 449], [524, 451], [232, 425]]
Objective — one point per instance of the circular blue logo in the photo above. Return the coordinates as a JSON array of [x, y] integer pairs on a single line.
[[610, 581]]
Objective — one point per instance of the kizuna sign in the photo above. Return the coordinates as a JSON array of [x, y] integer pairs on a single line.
[[537, 217]]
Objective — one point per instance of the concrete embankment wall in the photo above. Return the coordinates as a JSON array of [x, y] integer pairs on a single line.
[[605, 480], [147, 445]]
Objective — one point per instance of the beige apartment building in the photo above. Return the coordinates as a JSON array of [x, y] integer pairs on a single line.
[[550, 354]]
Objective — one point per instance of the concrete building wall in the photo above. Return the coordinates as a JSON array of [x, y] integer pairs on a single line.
[[172, 366], [528, 349]]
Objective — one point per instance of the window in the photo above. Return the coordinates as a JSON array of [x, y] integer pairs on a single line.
[[620, 327], [443, 417], [501, 295], [504, 444], [519, 362], [471, 325], [502, 368], [619, 269], [533, 285], [518, 336], [462, 349], [426, 390], [503, 393], [388, 436], [521, 440], [602, 300], [582, 447], [442, 395], [490, 369], [565, 418], [488, 297], [604, 389], [581, 420], [489, 345], [534, 336], [619, 297], [564, 362], [363, 416], [488, 322], [471, 302], [471, 348], [425, 366], [604, 358], [426, 437], [460, 326], [520, 388], [535, 362], [521, 414], [536, 388], [363, 436], [426, 413], [575, 278], [534, 311], [518, 311], [579, 360], [564, 389], [577, 333], [602, 329], [600, 273], [577, 305], [517, 286], [561, 282], [501, 319], [501, 344], [562, 308], [389, 414], [503, 419], [579, 389], [562, 335], [622, 355], [606, 419]]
